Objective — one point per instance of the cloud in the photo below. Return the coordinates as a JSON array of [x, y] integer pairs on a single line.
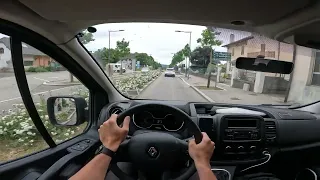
[[157, 39]]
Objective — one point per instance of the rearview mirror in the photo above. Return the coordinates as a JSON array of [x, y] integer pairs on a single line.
[[264, 65], [67, 111]]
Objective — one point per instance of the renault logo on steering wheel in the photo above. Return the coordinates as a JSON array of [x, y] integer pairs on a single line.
[[153, 152]]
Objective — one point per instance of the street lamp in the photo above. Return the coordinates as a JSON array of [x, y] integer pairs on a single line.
[[110, 31], [190, 32]]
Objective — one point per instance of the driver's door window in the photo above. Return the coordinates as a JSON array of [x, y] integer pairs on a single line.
[[47, 78], [18, 134]]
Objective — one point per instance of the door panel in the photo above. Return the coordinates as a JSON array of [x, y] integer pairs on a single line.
[[42, 161]]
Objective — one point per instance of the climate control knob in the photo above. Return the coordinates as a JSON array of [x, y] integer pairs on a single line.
[[253, 148], [240, 148], [228, 149]]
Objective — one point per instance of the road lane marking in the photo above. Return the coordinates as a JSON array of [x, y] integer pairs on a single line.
[[10, 99], [38, 93], [198, 91], [41, 79]]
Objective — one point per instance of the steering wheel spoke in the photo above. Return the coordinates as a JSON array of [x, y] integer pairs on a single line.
[[122, 154]]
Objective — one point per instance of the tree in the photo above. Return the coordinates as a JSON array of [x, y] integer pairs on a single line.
[[103, 55], [143, 58], [122, 50], [186, 53], [177, 58], [200, 57], [86, 37], [147, 60], [208, 39]]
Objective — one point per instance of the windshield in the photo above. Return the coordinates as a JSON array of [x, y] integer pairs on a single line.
[[147, 51]]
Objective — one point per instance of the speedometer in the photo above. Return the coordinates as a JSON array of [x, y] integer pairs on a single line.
[[170, 123]]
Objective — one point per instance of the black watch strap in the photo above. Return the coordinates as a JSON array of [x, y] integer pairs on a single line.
[[107, 152]]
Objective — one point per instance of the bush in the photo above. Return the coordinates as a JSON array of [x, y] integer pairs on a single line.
[[18, 127], [38, 69], [136, 82]]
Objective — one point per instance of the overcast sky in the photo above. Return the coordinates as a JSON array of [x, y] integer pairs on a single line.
[[157, 39]]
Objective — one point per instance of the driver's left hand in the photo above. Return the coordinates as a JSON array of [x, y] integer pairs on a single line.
[[111, 135]]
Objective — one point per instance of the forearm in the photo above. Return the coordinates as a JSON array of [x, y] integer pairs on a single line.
[[204, 172], [95, 169]]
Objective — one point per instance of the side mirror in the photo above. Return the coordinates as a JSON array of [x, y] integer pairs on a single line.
[[67, 110]]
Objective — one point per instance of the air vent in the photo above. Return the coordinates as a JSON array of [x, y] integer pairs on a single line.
[[115, 110], [207, 125], [271, 131]]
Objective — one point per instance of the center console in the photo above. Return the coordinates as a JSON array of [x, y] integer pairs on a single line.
[[241, 135]]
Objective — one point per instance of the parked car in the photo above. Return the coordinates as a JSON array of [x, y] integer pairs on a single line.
[[116, 67], [145, 69], [169, 73]]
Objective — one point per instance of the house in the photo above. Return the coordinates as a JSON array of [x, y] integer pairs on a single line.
[[305, 78], [31, 56], [129, 62]]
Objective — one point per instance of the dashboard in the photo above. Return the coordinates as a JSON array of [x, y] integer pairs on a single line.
[[241, 132]]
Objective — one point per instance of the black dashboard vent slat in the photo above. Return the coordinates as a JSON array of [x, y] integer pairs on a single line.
[[270, 131]]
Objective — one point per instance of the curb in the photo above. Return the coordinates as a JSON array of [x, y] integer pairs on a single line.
[[61, 84], [198, 91]]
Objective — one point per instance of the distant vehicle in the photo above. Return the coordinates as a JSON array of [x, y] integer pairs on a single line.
[[169, 73], [116, 67], [145, 69]]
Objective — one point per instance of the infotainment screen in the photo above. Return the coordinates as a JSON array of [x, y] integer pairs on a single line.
[[242, 123]]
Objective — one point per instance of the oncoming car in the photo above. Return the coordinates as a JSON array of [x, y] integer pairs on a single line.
[[169, 72]]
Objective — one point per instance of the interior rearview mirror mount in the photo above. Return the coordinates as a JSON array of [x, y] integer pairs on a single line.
[[67, 110]]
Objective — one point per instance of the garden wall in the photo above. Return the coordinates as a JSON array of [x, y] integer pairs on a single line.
[[275, 85], [238, 83]]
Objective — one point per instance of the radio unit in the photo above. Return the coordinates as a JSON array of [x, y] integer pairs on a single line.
[[241, 134]]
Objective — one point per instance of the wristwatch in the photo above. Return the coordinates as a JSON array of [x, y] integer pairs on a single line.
[[108, 152]]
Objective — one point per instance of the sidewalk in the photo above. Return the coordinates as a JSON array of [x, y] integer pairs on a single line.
[[233, 95]]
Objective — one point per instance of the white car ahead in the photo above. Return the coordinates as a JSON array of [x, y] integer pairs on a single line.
[[170, 73]]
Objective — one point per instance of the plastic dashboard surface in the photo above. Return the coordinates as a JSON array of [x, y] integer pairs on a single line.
[[293, 129]]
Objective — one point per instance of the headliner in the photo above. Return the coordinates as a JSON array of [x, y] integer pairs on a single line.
[[64, 18], [251, 11]]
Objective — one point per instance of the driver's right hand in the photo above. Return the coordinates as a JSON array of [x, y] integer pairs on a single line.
[[201, 153]]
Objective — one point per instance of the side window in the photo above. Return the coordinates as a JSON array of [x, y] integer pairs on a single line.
[[18, 135], [47, 78]]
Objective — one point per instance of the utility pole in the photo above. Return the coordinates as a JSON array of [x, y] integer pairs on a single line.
[[190, 32]]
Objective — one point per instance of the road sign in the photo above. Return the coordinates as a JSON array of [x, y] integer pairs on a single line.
[[221, 56]]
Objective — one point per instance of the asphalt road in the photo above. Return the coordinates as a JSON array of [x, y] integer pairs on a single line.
[[163, 88], [170, 88], [9, 92]]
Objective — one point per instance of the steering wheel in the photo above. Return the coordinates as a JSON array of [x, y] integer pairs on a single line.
[[154, 151]]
